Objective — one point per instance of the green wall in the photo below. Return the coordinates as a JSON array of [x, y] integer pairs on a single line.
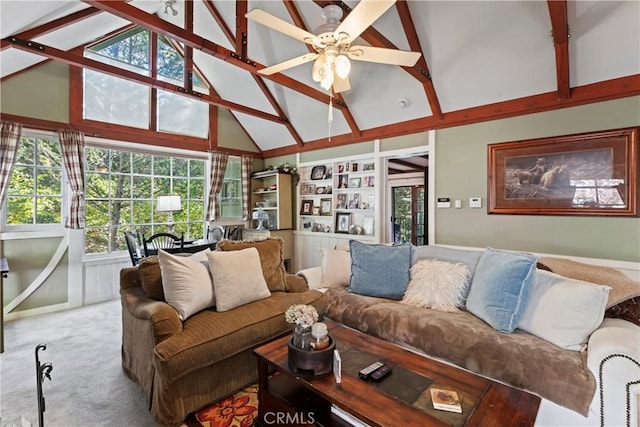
[[461, 173]]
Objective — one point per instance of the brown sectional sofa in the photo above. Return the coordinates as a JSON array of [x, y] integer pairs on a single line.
[[184, 365]]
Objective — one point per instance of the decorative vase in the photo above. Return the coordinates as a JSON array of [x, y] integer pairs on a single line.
[[311, 363], [301, 337]]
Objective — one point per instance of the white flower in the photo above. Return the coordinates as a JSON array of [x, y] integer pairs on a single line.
[[301, 314]]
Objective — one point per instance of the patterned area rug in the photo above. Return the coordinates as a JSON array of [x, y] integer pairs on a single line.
[[238, 410]]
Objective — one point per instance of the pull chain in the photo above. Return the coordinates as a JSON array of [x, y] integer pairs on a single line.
[[330, 117]]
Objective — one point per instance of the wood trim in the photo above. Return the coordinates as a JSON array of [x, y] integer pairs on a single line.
[[622, 87], [220, 21], [73, 59], [241, 28], [414, 45], [152, 22], [560, 30], [274, 103]]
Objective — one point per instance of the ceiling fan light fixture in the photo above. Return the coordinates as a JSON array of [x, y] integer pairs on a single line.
[[327, 82], [342, 66]]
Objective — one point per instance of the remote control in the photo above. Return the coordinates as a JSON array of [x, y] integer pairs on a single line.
[[366, 372], [381, 372]]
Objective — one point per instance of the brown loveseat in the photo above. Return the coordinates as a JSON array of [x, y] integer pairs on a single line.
[[184, 365]]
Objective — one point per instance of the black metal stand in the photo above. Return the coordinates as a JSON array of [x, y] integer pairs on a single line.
[[43, 370]]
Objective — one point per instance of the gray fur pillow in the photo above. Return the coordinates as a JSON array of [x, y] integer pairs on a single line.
[[437, 284]]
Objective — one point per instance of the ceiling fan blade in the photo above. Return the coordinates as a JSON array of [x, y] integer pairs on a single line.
[[307, 57], [268, 20], [340, 84], [383, 55], [362, 16]]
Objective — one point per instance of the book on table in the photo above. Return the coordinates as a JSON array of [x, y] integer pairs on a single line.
[[446, 400]]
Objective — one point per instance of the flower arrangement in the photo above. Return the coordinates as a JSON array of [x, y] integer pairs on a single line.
[[302, 315]]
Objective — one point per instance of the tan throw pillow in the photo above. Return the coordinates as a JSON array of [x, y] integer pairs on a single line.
[[151, 278], [622, 287], [237, 278], [437, 284], [336, 267], [271, 252], [186, 282]]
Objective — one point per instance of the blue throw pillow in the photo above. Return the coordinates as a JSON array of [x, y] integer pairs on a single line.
[[500, 288], [379, 270]]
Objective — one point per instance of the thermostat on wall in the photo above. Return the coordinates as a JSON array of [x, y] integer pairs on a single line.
[[444, 202], [475, 202]]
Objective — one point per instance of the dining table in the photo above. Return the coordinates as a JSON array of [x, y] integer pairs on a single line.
[[188, 247]]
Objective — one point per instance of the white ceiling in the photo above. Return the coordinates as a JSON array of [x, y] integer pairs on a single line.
[[478, 53]]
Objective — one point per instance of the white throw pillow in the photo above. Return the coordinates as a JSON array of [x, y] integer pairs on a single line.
[[237, 278], [437, 284], [564, 311], [186, 282], [336, 267]]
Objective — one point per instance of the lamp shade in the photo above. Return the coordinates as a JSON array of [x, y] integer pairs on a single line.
[[168, 204]]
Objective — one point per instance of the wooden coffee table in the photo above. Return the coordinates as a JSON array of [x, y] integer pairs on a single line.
[[401, 399]]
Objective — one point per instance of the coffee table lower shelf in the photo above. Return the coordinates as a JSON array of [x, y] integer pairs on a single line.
[[283, 401]]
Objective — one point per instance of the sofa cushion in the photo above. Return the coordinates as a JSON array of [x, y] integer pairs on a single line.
[[519, 359], [437, 284], [271, 251], [151, 277], [622, 287], [186, 282], [237, 278], [379, 270], [564, 311], [212, 336], [468, 257], [500, 288], [336, 267]]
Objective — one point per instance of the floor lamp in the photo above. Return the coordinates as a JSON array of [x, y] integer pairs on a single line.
[[169, 204]]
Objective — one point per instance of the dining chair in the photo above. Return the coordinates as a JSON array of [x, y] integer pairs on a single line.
[[214, 233], [133, 245], [234, 233], [162, 241]]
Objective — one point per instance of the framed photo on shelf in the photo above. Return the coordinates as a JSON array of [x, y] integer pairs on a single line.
[[343, 181], [325, 206], [318, 172], [370, 181], [306, 207], [589, 174], [367, 225], [354, 167], [316, 210], [368, 167], [354, 182], [355, 202], [371, 201], [342, 201], [321, 190], [329, 173], [343, 222], [304, 189]]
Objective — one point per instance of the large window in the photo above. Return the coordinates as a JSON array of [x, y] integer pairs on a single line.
[[116, 100], [121, 192], [35, 190]]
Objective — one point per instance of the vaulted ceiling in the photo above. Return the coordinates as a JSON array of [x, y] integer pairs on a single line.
[[480, 60]]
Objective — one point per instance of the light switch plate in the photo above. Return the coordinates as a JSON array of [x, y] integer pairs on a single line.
[[475, 202], [458, 204]]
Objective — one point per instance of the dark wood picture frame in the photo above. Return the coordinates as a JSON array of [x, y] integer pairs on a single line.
[[318, 172], [306, 207], [590, 174]]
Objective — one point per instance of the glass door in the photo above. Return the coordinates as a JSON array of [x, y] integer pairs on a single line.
[[408, 217]]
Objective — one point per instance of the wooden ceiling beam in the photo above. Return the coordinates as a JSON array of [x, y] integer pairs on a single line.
[[241, 28], [80, 61], [213, 10], [414, 45], [401, 162], [622, 87], [339, 99], [560, 30], [125, 11]]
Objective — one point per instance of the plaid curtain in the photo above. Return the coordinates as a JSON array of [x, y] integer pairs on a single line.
[[247, 166], [72, 145], [9, 136], [216, 177]]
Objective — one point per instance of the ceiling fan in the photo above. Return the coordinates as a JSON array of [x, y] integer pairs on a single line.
[[332, 43]]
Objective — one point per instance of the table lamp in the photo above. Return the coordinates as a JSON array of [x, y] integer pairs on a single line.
[[169, 204]]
